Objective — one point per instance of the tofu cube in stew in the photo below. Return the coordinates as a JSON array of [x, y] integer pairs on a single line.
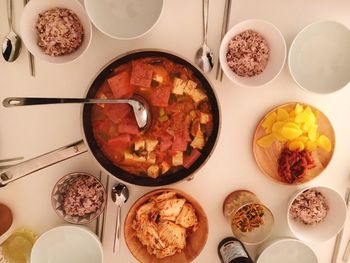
[[164, 167], [151, 157], [153, 171], [205, 118], [198, 141], [157, 78], [196, 94], [178, 158], [179, 86], [139, 145], [151, 144]]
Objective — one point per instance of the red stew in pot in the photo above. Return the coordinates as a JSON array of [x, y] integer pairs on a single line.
[[181, 117]]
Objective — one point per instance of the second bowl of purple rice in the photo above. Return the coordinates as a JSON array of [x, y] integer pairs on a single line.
[[78, 198], [316, 214]]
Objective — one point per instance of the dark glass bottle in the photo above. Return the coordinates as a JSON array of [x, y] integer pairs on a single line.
[[231, 250]]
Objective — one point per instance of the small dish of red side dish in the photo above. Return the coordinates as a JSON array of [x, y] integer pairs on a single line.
[[181, 124], [293, 143]]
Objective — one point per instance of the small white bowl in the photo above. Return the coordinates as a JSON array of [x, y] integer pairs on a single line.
[[332, 223], [319, 57], [287, 251], [29, 35], [122, 19], [67, 244], [278, 52]]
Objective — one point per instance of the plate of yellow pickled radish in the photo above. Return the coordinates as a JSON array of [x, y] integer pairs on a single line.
[[293, 143]]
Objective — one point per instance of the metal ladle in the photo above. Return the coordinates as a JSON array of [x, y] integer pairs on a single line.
[[204, 56], [11, 45], [120, 195], [139, 105]]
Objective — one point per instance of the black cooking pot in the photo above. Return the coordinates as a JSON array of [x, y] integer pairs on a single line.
[[66, 152]]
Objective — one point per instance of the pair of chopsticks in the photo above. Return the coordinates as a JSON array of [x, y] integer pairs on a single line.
[[225, 21], [340, 235], [30, 55], [100, 222]]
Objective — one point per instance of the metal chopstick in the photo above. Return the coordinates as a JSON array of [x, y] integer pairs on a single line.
[[340, 234], [225, 22], [30, 55], [100, 222]]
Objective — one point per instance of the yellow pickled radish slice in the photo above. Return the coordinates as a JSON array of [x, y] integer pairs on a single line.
[[291, 125], [298, 108], [296, 146], [282, 115], [324, 142], [279, 137], [305, 127], [267, 140], [277, 126], [311, 146], [290, 133], [270, 119], [303, 117], [312, 132]]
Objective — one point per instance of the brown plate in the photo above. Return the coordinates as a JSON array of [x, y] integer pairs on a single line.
[[267, 158], [194, 242]]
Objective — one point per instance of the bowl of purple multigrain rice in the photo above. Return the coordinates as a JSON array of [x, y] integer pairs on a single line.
[[253, 53], [78, 198], [316, 214]]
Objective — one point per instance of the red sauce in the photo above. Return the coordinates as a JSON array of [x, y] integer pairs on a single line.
[[181, 117], [292, 165]]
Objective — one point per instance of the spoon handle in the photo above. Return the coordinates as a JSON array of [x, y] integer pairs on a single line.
[[20, 101], [205, 19], [9, 13], [116, 245]]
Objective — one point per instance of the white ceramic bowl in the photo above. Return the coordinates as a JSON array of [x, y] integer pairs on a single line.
[[278, 52], [287, 251], [68, 244], [329, 227], [122, 19], [29, 35], [319, 57]]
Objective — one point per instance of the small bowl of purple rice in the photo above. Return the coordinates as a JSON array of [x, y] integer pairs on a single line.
[[78, 198], [253, 53], [316, 214]]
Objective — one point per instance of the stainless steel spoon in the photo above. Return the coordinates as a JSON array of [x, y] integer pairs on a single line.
[[120, 195], [139, 105], [11, 45], [204, 56]]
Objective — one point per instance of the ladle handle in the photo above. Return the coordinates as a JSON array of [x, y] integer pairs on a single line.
[[30, 166], [116, 245], [21, 101], [9, 13]]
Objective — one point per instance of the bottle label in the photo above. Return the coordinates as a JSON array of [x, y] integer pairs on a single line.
[[232, 250]]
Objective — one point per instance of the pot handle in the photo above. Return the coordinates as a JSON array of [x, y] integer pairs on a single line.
[[30, 166]]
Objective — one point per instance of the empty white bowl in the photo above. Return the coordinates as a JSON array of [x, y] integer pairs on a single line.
[[278, 52], [68, 244], [332, 223], [287, 251], [30, 16], [319, 57], [122, 19]]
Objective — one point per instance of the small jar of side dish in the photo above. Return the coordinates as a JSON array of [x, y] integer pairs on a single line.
[[250, 220], [231, 250]]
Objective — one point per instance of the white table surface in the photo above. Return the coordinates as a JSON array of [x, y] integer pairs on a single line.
[[31, 131]]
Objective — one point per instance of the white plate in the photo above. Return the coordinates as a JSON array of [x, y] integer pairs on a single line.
[[67, 244], [30, 16], [287, 251], [122, 19], [319, 57]]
